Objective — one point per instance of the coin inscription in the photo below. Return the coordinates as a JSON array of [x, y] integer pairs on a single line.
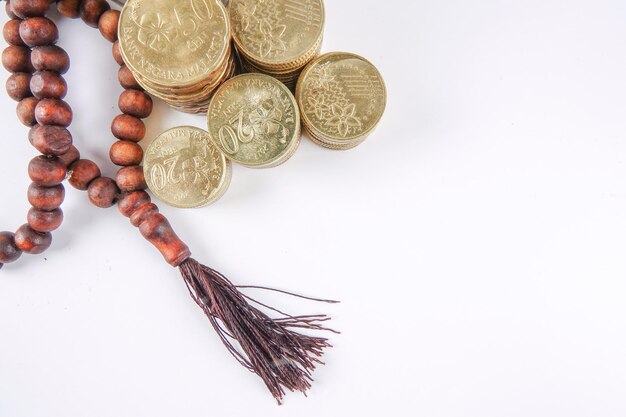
[[184, 169]]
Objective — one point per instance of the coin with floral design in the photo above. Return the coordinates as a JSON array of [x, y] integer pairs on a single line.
[[342, 98], [254, 120]]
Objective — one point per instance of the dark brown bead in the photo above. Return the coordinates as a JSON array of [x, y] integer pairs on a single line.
[[18, 86], [44, 221], [39, 31], [130, 202], [136, 103], [9, 10], [103, 192], [125, 153], [131, 179], [46, 171], [26, 111], [83, 172], [29, 8], [128, 127], [51, 111], [158, 231], [127, 79], [9, 252], [142, 213], [91, 10], [117, 55], [31, 241], [50, 58], [11, 32], [69, 8], [48, 84], [108, 24], [50, 140], [46, 198], [17, 59], [71, 156]]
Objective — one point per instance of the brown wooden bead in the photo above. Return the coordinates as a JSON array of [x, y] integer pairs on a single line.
[[142, 212], [46, 198], [50, 58], [103, 192], [18, 86], [31, 241], [125, 153], [71, 156], [117, 55], [44, 221], [83, 172], [127, 79], [9, 252], [131, 178], [47, 171], [130, 202], [158, 231], [91, 10], [136, 103], [51, 111], [11, 32], [48, 84], [69, 8], [9, 10], [29, 8], [39, 31], [108, 24], [26, 111], [17, 59], [50, 140], [128, 127]]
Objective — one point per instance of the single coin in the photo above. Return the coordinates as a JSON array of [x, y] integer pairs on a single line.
[[277, 33], [254, 120], [342, 98], [174, 42], [184, 169]]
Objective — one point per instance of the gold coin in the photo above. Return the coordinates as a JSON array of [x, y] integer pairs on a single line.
[[174, 42], [184, 169], [254, 120], [342, 98], [277, 33]]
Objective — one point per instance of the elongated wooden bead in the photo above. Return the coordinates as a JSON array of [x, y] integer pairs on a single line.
[[32, 241], [46, 198], [129, 202], [158, 231]]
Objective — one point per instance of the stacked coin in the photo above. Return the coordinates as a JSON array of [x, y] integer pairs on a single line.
[[178, 50], [342, 97], [277, 37]]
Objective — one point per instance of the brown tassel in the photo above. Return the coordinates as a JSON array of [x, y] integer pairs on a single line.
[[282, 357]]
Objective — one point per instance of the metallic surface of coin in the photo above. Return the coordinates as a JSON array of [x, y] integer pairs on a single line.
[[184, 169]]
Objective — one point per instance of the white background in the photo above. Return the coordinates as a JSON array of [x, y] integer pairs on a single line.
[[477, 239]]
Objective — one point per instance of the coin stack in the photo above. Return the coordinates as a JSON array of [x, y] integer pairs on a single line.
[[178, 50], [277, 37]]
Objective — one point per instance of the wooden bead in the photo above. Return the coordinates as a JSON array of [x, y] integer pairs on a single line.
[[18, 86], [130, 202], [31, 241], [158, 231], [117, 55], [9, 252], [128, 127], [50, 58], [103, 192], [46, 171], [51, 111], [26, 111], [44, 221], [11, 32], [127, 79], [39, 31], [17, 59], [142, 213], [9, 10], [69, 8], [125, 153], [136, 103], [131, 179], [48, 84], [30, 8], [50, 140], [91, 10], [83, 172], [46, 198], [71, 156], [108, 24]]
